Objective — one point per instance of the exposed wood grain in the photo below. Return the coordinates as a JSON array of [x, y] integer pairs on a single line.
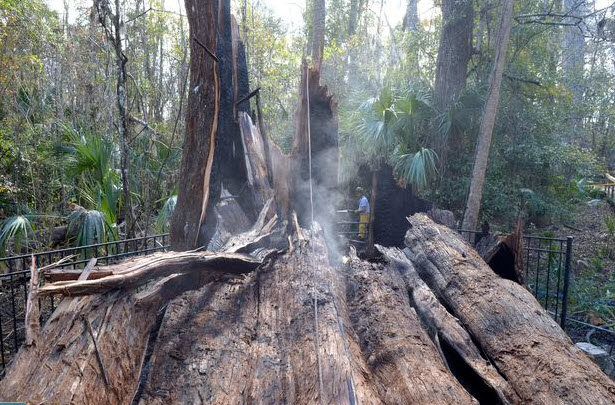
[[156, 266], [443, 326], [403, 362], [518, 336], [33, 326]]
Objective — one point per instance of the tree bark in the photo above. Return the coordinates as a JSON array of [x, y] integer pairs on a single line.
[[454, 53], [431, 325], [318, 32], [411, 18], [573, 62], [516, 334], [114, 35], [470, 218], [199, 183]]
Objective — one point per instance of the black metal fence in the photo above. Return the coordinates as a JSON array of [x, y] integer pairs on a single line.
[[15, 277], [609, 190], [547, 270]]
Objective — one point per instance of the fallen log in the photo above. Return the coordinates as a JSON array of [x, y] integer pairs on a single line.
[[405, 366], [70, 274], [516, 334], [435, 325], [480, 376], [504, 254], [156, 266]]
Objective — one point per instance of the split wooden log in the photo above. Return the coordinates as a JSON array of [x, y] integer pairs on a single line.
[[516, 334], [255, 161], [70, 274], [504, 254], [156, 266], [433, 326], [33, 325], [479, 375], [404, 365]]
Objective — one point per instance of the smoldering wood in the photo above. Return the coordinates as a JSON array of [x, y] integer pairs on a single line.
[[431, 325], [322, 116]]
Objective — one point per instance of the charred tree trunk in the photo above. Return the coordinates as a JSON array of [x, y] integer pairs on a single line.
[[394, 205], [199, 183], [229, 159], [321, 125]]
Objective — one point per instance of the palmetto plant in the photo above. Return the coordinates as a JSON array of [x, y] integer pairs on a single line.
[[17, 228], [389, 128], [89, 227], [416, 168], [164, 216], [90, 158]]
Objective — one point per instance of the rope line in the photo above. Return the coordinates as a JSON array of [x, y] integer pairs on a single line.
[[314, 292]]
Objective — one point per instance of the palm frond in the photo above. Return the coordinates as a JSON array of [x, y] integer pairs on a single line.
[[19, 229], [417, 168], [89, 227], [164, 216]]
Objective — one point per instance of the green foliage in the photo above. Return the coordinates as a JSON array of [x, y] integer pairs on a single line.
[[164, 215], [89, 227], [417, 168], [17, 229], [388, 128]]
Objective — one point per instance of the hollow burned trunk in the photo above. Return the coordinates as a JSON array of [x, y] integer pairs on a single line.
[[430, 324]]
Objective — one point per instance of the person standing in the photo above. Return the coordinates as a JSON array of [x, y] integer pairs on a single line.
[[363, 212]]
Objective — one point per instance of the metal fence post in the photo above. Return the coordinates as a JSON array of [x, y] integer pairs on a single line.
[[566, 282]]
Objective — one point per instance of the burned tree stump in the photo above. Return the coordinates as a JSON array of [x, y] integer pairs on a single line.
[[431, 324]]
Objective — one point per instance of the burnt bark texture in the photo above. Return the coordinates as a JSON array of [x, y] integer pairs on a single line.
[[228, 158], [199, 184], [394, 204]]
